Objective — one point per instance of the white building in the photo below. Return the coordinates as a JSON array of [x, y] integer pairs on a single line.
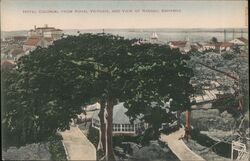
[[48, 32], [239, 41], [183, 46], [209, 46], [197, 46], [226, 46], [153, 37], [121, 122], [41, 36]]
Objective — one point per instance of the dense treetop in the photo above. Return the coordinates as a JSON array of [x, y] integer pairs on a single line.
[[51, 84]]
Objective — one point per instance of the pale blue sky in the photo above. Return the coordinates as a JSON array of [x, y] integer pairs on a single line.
[[193, 14]]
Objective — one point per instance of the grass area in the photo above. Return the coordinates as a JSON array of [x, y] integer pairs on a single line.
[[56, 148]]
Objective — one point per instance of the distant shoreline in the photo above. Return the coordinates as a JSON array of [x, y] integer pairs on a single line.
[[165, 35], [236, 30]]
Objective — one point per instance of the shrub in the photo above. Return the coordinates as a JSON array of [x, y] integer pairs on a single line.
[[228, 56], [221, 148], [56, 148], [93, 136], [117, 140]]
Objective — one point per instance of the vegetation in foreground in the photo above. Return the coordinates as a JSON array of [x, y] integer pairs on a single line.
[[48, 86], [56, 148]]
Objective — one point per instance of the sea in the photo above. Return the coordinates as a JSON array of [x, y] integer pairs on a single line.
[[164, 35]]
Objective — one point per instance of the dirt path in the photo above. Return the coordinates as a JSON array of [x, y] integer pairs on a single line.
[[178, 147], [77, 145]]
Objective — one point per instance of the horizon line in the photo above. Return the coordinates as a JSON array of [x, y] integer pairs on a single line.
[[134, 28]]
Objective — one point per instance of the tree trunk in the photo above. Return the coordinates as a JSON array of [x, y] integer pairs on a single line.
[[187, 118], [102, 124], [187, 127], [110, 105]]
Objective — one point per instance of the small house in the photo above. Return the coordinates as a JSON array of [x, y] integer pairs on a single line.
[[121, 122], [16, 53], [226, 46], [197, 46], [183, 46], [154, 37], [33, 42], [7, 64], [241, 41]]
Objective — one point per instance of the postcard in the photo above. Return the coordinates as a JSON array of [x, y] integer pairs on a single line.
[[125, 80]]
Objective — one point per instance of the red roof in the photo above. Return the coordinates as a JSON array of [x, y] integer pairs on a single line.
[[17, 51], [198, 45], [243, 39], [7, 63], [210, 44], [226, 44], [32, 41], [218, 44]]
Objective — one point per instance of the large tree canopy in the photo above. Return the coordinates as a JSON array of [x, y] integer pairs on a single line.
[[54, 82], [157, 75]]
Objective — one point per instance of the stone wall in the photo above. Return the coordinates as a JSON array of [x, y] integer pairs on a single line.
[[39, 151]]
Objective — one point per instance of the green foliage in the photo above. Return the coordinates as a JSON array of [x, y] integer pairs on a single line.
[[157, 74], [155, 117], [100, 154], [236, 49], [194, 52], [232, 102], [149, 134], [214, 40], [221, 148], [93, 136], [56, 148], [229, 104], [228, 56], [19, 118], [51, 84], [117, 140]]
